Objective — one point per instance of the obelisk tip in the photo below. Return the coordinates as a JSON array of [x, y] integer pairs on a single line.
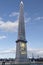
[[21, 2]]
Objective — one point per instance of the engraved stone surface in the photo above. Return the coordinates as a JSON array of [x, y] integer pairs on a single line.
[[21, 46]]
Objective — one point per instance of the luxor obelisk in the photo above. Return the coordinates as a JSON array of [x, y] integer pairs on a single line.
[[21, 45]]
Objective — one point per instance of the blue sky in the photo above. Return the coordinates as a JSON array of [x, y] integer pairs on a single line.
[[33, 15]]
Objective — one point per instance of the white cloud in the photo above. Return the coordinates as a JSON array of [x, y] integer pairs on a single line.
[[3, 37], [31, 52], [35, 52], [39, 18], [0, 18], [17, 15], [14, 14], [9, 25], [9, 53], [28, 20]]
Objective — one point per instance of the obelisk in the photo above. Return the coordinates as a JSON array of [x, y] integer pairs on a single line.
[[21, 43]]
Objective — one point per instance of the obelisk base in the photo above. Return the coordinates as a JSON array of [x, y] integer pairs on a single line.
[[22, 61]]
